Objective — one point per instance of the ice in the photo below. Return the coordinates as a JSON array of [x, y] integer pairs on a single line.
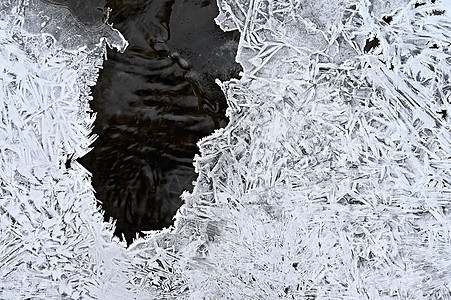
[[67, 29], [331, 181]]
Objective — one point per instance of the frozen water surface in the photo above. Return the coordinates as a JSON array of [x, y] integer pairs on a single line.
[[331, 180]]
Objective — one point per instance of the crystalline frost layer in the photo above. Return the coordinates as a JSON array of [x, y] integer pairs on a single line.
[[331, 181]]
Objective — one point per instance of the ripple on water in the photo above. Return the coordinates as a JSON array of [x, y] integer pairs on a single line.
[[154, 102]]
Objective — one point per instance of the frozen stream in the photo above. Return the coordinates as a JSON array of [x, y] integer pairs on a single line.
[[331, 179]]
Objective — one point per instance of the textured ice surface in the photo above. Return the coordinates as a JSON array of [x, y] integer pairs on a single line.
[[69, 30], [331, 181]]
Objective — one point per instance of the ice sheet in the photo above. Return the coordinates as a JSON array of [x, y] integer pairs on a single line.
[[331, 181]]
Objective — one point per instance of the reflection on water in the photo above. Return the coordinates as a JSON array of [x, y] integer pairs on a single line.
[[154, 102]]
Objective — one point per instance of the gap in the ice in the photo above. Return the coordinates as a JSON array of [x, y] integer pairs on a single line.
[[153, 103], [370, 44]]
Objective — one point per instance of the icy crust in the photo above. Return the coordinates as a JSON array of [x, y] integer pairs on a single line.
[[331, 181], [40, 16], [54, 244]]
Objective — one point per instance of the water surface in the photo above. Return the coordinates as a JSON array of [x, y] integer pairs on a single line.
[[154, 102]]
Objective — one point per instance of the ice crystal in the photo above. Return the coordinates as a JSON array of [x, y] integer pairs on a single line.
[[331, 181]]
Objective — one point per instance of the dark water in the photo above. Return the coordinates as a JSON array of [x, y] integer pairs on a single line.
[[154, 102]]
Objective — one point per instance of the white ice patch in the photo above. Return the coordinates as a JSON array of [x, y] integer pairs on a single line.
[[331, 181]]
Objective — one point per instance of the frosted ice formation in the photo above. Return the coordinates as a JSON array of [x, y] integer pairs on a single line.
[[69, 31], [331, 181]]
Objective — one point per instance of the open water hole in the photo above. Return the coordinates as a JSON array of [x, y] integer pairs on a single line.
[[153, 103]]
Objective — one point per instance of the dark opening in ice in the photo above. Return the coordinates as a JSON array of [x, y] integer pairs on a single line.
[[154, 102], [387, 19], [371, 44]]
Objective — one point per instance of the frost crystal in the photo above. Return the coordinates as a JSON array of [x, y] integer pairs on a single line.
[[331, 181]]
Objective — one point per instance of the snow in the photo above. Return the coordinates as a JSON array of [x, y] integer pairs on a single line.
[[331, 180]]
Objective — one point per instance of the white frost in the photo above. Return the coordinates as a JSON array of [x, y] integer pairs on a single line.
[[331, 181]]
